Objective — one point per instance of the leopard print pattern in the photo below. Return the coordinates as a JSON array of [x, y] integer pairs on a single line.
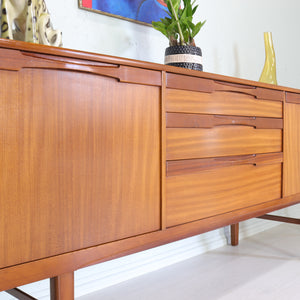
[[28, 20]]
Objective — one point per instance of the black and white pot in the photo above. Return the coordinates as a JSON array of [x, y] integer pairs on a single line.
[[189, 57]]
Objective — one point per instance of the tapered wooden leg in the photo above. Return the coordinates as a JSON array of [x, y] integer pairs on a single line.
[[234, 229], [62, 287]]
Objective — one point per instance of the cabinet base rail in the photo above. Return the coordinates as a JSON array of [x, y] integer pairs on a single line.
[[280, 219]]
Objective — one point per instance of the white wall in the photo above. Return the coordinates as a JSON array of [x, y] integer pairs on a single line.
[[232, 44], [231, 40]]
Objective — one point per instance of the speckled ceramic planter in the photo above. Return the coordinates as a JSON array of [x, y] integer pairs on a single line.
[[189, 57]]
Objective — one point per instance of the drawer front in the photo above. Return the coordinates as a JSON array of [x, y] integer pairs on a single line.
[[222, 103], [211, 192], [188, 143]]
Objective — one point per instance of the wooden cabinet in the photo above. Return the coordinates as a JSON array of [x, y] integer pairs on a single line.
[[102, 156]]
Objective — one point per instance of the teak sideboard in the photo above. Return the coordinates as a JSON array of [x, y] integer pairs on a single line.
[[102, 157]]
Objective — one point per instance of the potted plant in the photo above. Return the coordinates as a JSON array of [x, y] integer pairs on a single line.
[[179, 28]]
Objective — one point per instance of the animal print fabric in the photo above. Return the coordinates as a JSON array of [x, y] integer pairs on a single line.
[[28, 20]]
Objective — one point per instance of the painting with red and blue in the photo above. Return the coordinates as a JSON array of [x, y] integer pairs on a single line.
[[144, 11]]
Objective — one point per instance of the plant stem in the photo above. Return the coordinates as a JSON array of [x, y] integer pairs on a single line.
[[178, 24]]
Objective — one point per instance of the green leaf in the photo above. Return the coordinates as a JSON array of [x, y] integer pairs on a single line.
[[178, 26], [197, 28], [194, 9], [176, 4]]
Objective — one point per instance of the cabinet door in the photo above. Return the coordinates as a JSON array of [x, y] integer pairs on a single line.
[[80, 159], [291, 170]]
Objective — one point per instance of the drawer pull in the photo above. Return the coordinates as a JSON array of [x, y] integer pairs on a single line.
[[191, 83], [122, 73], [180, 120], [235, 88], [189, 166], [257, 92]]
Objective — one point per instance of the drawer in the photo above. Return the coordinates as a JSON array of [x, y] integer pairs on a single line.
[[189, 143], [222, 103], [216, 191]]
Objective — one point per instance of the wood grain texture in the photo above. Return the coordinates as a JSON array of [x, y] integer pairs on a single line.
[[80, 161], [291, 166], [189, 143], [189, 166], [181, 120], [219, 103], [213, 192]]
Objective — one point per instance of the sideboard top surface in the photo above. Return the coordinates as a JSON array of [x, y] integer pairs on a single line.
[[70, 53]]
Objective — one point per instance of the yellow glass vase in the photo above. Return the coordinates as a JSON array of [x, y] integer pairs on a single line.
[[268, 74]]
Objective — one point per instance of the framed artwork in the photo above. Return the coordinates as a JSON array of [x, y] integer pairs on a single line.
[[140, 11]]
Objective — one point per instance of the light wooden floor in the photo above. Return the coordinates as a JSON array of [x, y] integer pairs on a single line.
[[264, 266]]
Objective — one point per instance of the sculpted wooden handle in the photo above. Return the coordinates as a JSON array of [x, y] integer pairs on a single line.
[[26, 60], [256, 92], [191, 83], [188, 166], [181, 120]]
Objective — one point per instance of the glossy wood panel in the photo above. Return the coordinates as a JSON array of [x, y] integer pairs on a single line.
[[80, 161], [188, 143], [221, 103], [291, 167], [196, 196]]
